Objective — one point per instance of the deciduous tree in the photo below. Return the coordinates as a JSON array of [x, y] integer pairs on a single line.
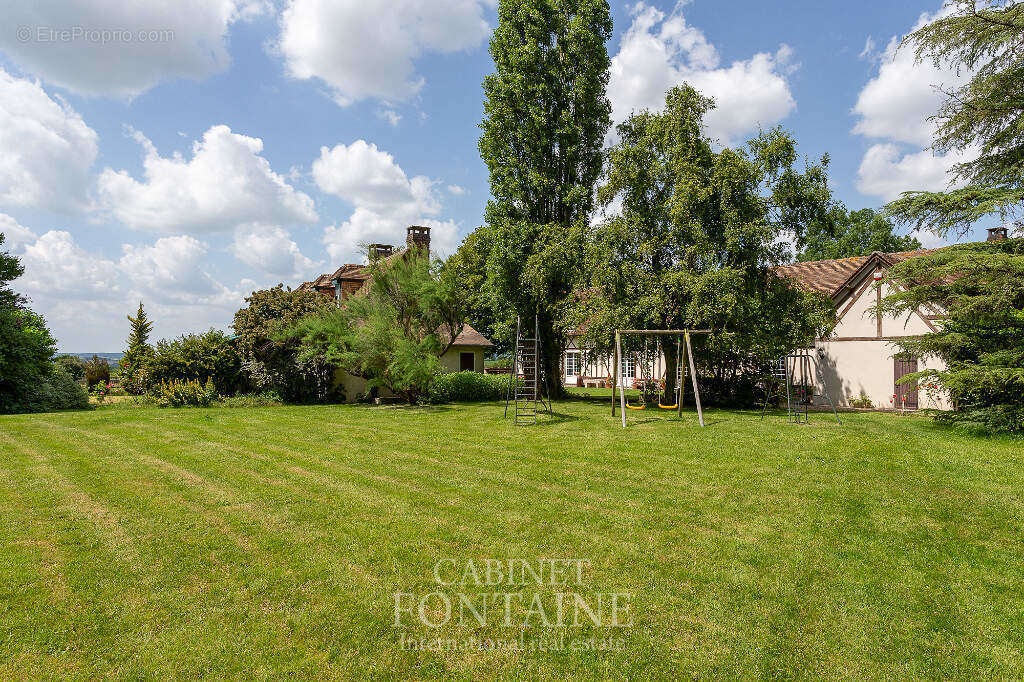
[[271, 363], [845, 234], [696, 239]]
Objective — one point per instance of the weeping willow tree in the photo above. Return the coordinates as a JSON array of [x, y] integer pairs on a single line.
[[986, 113], [695, 242]]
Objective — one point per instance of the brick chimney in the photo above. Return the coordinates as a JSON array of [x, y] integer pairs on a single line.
[[996, 234], [375, 251], [418, 236]]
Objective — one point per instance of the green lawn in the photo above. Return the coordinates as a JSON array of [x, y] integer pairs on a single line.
[[263, 542]]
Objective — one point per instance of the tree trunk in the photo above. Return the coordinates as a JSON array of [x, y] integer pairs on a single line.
[[551, 347], [671, 363]]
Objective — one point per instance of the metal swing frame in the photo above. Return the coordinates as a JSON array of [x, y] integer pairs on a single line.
[[800, 362], [682, 344]]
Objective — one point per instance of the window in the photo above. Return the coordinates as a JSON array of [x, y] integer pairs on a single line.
[[467, 362], [572, 364], [628, 367]]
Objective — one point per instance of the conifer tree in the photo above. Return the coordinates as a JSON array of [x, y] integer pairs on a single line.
[[985, 37], [138, 353]]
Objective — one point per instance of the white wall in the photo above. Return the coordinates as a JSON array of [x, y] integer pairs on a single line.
[[450, 360], [854, 368], [858, 363]]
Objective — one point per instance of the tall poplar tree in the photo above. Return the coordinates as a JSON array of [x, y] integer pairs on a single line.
[[546, 115]]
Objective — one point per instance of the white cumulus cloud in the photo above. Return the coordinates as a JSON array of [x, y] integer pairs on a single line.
[[272, 250], [367, 50], [56, 266], [14, 233], [85, 296], [894, 108], [172, 271], [120, 48], [660, 51], [46, 149], [385, 200], [887, 170], [225, 184]]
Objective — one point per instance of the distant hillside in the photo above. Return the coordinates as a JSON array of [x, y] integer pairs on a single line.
[[112, 358]]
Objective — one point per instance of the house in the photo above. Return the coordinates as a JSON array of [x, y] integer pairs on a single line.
[[860, 359], [467, 351]]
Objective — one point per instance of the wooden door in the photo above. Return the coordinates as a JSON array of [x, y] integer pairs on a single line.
[[905, 365]]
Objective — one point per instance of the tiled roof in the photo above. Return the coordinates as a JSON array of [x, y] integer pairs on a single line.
[[471, 337], [323, 280], [351, 271], [828, 276]]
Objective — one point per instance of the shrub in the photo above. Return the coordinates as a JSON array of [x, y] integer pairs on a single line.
[[134, 379], [100, 390], [468, 387], [60, 391], [25, 351], [97, 369], [267, 399], [73, 365], [273, 364], [863, 402], [986, 420], [199, 357], [189, 393]]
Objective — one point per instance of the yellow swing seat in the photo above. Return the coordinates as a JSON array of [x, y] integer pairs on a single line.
[[636, 407], [667, 407]]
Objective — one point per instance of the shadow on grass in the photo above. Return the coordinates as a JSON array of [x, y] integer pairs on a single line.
[[552, 418]]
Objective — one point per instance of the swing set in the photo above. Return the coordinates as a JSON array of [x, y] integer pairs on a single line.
[[650, 386]]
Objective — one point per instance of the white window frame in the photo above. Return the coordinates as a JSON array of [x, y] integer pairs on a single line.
[[573, 361], [627, 371]]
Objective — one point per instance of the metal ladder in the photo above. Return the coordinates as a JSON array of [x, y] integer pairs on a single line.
[[527, 384], [801, 406]]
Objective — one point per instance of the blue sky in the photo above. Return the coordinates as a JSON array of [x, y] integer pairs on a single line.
[[184, 153]]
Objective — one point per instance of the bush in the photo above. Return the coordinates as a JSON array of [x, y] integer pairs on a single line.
[[468, 387], [133, 378], [862, 402], [986, 420], [270, 364], [100, 390], [60, 391], [268, 399], [73, 365], [190, 393], [197, 357], [97, 369], [25, 351]]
